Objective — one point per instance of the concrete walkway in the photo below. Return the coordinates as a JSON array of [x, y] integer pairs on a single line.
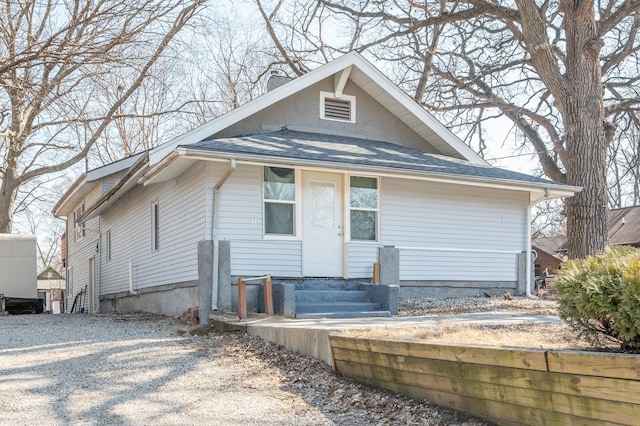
[[311, 336]]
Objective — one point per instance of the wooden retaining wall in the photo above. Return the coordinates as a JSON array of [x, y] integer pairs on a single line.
[[505, 386]]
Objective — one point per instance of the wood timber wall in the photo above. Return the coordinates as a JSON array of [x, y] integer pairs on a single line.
[[506, 386]]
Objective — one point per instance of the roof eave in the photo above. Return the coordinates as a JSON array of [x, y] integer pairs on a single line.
[[61, 208], [548, 190], [118, 188]]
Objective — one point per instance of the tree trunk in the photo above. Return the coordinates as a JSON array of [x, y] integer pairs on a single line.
[[586, 141], [8, 194]]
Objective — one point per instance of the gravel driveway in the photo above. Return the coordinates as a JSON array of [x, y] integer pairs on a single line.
[[142, 369]]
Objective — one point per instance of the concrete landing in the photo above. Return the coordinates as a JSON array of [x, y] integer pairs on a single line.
[[311, 336]]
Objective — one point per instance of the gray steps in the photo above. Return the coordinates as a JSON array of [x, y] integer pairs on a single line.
[[332, 298], [363, 314], [315, 296], [335, 300], [305, 308], [321, 284]]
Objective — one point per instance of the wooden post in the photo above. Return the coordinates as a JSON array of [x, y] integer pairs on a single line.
[[268, 295], [376, 273], [242, 299]]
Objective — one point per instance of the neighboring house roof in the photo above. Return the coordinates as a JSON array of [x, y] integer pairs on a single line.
[[49, 274], [298, 148], [624, 226], [552, 244], [624, 230], [544, 256]]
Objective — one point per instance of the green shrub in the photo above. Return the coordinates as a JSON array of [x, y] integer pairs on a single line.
[[600, 297]]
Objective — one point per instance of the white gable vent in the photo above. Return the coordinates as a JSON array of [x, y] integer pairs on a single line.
[[339, 109]]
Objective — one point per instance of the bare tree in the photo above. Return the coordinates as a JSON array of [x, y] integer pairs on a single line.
[[54, 57], [228, 60], [561, 71]]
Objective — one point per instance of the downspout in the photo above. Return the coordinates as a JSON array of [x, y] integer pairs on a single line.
[[528, 248], [214, 233], [132, 292]]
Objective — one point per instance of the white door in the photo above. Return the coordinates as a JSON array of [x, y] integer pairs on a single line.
[[322, 224]]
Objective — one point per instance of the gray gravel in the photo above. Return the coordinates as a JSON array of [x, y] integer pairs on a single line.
[[143, 369]]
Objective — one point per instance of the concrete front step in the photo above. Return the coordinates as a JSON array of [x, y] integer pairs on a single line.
[[316, 296], [346, 314], [321, 283], [305, 308]]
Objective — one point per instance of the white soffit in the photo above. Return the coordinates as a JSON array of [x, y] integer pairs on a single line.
[[80, 189], [173, 170]]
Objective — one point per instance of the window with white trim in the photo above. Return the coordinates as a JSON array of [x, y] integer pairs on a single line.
[[79, 227], [279, 197], [155, 226], [108, 245], [338, 109], [363, 208]]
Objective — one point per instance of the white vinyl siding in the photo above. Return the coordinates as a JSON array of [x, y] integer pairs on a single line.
[[240, 203], [240, 218], [107, 182], [453, 232], [280, 258], [360, 259], [79, 252], [452, 265], [182, 225], [439, 215]]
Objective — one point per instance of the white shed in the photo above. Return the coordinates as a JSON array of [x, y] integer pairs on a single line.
[[18, 266]]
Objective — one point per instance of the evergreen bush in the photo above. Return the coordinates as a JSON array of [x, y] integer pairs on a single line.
[[599, 297]]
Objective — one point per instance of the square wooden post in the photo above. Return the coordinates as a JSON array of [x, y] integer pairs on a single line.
[[268, 295], [242, 299], [376, 273]]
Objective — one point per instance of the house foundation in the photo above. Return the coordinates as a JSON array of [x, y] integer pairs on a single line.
[[170, 299]]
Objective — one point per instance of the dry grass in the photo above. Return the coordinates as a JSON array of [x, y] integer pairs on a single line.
[[526, 335], [539, 336]]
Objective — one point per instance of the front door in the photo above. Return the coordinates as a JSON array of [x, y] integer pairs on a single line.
[[322, 224]]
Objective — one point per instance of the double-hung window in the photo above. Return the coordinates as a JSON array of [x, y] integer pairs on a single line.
[[79, 227], [279, 194], [363, 203]]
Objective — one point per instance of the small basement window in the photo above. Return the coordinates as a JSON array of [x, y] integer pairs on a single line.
[[338, 109]]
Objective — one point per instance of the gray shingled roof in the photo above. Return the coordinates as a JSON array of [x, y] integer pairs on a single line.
[[624, 226], [291, 146]]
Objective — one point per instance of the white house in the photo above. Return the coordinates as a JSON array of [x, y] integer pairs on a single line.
[[320, 177]]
